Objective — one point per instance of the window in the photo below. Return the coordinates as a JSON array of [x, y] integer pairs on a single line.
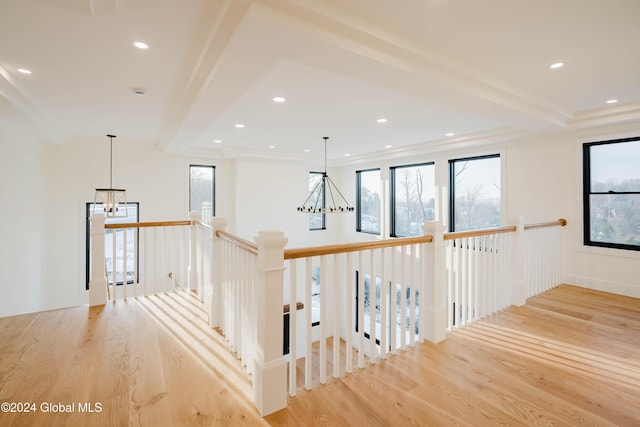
[[400, 301], [315, 296], [368, 201], [474, 193], [611, 192], [133, 215], [412, 198], [317, 221], [202, 191]]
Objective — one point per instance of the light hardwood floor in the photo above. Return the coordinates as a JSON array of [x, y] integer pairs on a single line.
[[569, 357]]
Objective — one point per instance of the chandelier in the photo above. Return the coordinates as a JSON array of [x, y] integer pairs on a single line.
[[315, 202], [113, 200]]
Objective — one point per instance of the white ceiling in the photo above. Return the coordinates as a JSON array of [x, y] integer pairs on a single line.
[[471, 67]]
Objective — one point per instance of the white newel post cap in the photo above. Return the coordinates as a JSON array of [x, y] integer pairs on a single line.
[[271, 245]]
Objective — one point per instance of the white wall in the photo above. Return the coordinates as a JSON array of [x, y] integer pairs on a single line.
[[23, 188], [44, 191], [542, 180], [158, 181], [267, 196]]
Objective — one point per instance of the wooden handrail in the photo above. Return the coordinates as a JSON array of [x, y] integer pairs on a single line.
[[476, 233], [353, 247], [242, 243], [561, 222], [147, 224]]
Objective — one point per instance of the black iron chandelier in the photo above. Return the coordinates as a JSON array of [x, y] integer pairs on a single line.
[[316, 201]]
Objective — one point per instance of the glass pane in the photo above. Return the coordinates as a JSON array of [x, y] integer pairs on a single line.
[[414, 190], [396, 313], [615, 218], [315, 296], [316, 198], [477, 192], [614, 167], [132, 216], [201, 191], [370, 201]]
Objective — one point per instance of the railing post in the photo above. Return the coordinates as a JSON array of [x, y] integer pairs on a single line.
[[98, 281], [216, 272], [269, 366], [519, 284], [434, 300], [195, 217]]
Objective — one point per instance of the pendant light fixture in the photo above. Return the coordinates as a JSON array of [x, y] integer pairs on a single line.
[[315, 202], [113, 200]]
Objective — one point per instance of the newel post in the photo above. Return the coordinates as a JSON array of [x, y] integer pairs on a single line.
[[195, 218], [518, 283], [215, 298], [269, 367], [435, 286], [98, 281]]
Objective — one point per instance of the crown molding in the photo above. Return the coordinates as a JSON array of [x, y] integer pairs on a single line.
[[427, 148], [606, 116]]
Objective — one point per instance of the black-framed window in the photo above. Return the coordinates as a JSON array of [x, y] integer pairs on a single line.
[[317, 197], [368, 201], [611, 193], [133, 215], [474, 193], [202, 190], [413, 191], [394, 314]]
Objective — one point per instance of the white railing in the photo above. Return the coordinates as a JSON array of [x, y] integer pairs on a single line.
[[237, 314], [132, 259], [359, 303], [542, 257], [478, 266], [347, 306]]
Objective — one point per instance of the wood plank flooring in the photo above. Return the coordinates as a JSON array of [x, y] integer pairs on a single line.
[[570, 357]]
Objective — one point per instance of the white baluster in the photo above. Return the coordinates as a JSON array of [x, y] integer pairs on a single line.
[[323, 319], [293, 323], [349, 294], [337, 309], [308, 310]]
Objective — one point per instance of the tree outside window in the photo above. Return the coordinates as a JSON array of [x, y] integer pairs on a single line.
[[202, 191], [412, 198], [368, 201], [612, 193], [475, 195]]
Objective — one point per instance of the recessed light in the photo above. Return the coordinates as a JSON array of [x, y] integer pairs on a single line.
[[556, 65], [217, 141], [381, 120], [612, 101], [279, 99], [307, 151], [272, 146], [239, 125], [24, 71], [388, 146], [141, 45], [449, 134], [347, 154]]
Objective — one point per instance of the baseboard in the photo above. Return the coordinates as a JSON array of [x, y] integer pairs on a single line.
[[625, 289]]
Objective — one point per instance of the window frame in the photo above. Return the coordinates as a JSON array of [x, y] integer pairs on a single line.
[[88, 210], [324, 204], [359, 203], [587, 193], [392, 194], [213, 189], [452, 182]]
